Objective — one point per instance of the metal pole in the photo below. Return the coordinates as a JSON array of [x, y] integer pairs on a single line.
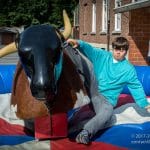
[[108, 24]]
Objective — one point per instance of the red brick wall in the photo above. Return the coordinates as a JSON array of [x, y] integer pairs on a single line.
[[139, 36], [135, 26], [85, 19], [7, 38]]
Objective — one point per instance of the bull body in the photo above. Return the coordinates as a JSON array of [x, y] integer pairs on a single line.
[[69, 84]]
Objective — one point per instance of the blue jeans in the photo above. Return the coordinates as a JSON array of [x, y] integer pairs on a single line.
[[103, 112], [102, 109]]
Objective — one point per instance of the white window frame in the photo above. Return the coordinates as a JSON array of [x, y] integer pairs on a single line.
[[93, 18], [76, 16], [84, 18], [133, 1], [104, 16], [117, 25]]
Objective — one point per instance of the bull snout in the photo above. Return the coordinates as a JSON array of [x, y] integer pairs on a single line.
[[42, 91]]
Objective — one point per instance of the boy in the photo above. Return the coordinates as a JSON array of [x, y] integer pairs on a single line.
[[112, 71]]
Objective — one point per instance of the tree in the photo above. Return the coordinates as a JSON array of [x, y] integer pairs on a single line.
[[56, 14], [20, 12]]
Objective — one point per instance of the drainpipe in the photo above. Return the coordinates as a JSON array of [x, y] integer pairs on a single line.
[[108, 24]]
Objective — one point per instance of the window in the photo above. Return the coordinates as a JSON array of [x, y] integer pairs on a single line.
[[104, 16], [85, 18], [117, 16], [93, 18], [76, 16], [136, 0]]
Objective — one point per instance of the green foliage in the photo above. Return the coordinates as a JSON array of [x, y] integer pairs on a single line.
[[21, 12], [56, 13]]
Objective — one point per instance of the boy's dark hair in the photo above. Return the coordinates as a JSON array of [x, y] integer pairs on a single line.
[[120, 43]]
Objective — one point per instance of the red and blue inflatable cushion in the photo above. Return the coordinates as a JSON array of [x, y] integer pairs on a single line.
[[6, 78], [122, 136]]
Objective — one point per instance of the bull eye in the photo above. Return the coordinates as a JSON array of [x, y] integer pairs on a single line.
[[28, 65], [27, 59], [24, 50], [25, 53]]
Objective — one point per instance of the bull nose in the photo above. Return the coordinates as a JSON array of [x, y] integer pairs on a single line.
[[41, 92]]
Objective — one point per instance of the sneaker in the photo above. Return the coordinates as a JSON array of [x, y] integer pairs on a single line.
[[83, 137]]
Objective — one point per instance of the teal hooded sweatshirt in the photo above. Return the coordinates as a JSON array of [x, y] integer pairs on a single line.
[[112, 77]]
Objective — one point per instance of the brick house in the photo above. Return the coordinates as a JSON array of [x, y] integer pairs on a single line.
[[100, 21], [7, 36]]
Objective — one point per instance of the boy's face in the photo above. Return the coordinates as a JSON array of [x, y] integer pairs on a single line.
[[119, 54]]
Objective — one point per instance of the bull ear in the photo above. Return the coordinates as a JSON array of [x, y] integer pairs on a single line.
[[11, 48], [67, 25]]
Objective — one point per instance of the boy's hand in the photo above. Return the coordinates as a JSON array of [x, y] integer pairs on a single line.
[[73, 42], [148, 108]]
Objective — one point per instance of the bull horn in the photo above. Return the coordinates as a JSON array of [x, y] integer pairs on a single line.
[[10, 48], [67, 25]]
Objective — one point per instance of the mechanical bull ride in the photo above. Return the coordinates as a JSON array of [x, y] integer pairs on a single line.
[[48, 81], [129, 126], [48, 77]]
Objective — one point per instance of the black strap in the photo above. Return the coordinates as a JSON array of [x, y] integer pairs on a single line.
[[79, 62], [73, 52]]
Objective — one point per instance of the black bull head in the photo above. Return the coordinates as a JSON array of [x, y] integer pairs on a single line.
[[39, 49]]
